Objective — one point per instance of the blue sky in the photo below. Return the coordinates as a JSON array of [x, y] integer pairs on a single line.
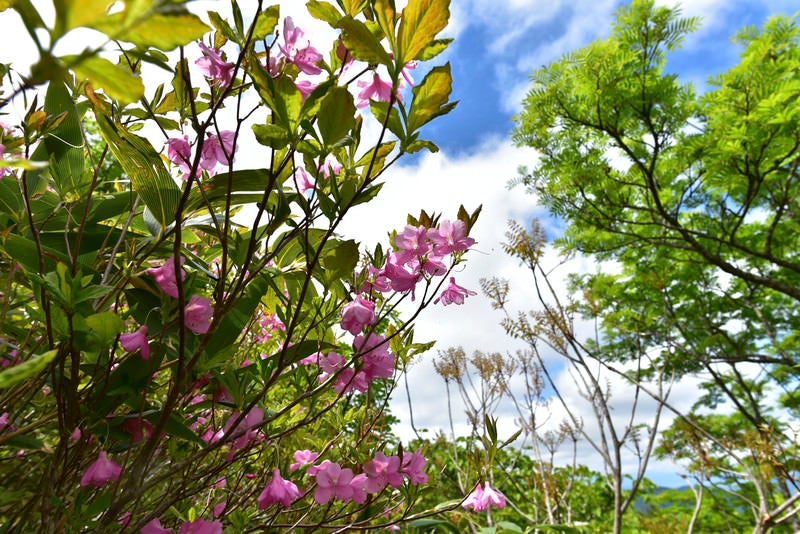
[[497, 46]]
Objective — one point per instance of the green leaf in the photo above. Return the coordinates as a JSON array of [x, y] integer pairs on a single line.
[[362, 43], [164, 31], [324, 11], [223, 27], [434, 48], [420, 21], [336, 116], [266, 22], [21, 371], [431, 98], [107, 325], [176, 427], [271, 135], [149, 178], [74, 13], [339, 258], [118, 82]]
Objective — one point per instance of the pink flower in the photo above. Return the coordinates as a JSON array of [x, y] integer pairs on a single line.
[[306, 87], [101, 471], [218, 149], [481, 499], [475, 500], [493, 497], [165, 276], [333, 482], [453, 293], [136, 341], [412, 242], [357, 314], [381, 471], [377, 89], [377, 360], [212, 66], [302, 181], [450, 237], [400, 279], [303, 458], [330, 166], [414, 467], [154, 527], [197, 314], [305, 58], [411, 65], [252, 419], [201, 526], [179, 153], [278, 490], [359, 486], [377, 280]]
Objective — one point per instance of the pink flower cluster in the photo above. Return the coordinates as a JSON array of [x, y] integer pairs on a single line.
[[420, 253], [214, 67], [376, 361], [217, 150], [481, 499], [336, 482], [197, 313]]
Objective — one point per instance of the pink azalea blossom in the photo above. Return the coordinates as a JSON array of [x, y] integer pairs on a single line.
[[357, 314], [333, 482], [377, 89], [252, 419], [414, 467], [304, 57], [400, 279], [165, 276], [481, 499], [330, 166], [359, 486], [411, 65], [197, 314], [302, 181], [377, 280], [453, 294], [101, 471], [475, 500], [214, 67], [136, 341], [450, 237], [493, 497], [179, 152], [381, 471], [154, 527], [218, 149], [278, 490], [201, 526], [302, 458], [306, 87], [412, 242]]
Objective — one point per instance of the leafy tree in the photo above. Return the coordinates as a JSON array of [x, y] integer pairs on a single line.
[[695, 200]]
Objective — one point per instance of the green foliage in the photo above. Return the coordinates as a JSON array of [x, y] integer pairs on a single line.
[[695, 199], [199, 386]]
